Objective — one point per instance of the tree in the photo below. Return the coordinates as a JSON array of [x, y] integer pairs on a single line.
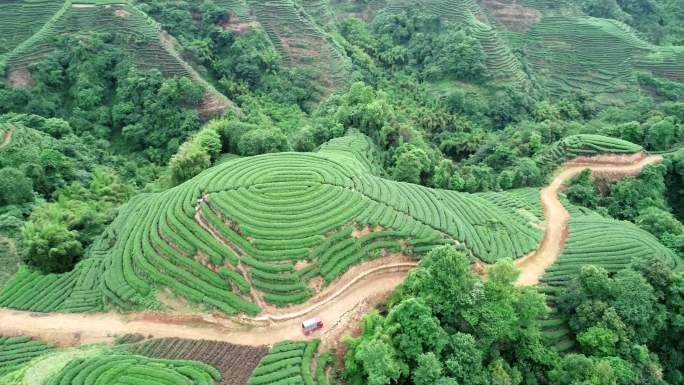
[[598, 341], [635, 301], [663, 134], [461, 56], [443, 282], [263, 141], [409, 163], [464, 360], [15, 187], [379, 362], [429, 369], [50, 247], [659, 222], [57, 127], [441, 177], [415, 330], [582, 190], [190, 160]]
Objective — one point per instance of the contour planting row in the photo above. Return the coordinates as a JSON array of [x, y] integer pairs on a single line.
[[127, 369], [15, 352], [19, 19], [585, 145], [524, 201], [452, 10], [502, 64], [489, 231], [75, 291], [596, 55], [287, 363]]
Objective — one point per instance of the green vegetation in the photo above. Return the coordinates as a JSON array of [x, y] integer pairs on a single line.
[[446, 326], [131, 369], [261, 214], [288, 362], [241, 152], [604, 242], [17, 351]]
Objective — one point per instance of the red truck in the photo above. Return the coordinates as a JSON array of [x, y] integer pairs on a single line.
[[311, 325]]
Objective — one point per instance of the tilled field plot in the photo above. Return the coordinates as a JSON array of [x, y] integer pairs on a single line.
[[236, 362]]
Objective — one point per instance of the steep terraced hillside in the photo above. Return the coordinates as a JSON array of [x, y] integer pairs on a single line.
[[20, 19], [561, 47], [141, 37], [597, 55], [502, 64], [297, 31]]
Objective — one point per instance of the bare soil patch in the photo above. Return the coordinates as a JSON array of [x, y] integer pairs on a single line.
[[236, 362], [358, 233], [301, 264], [7, 139], [611, 159], [167, 298], [211, 105], [121, 13], [237, 25], [514, 17], [19, 77]]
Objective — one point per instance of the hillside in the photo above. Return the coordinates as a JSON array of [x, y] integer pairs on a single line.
[[257, 234], [140, 36], [328, 192], [553, 45]]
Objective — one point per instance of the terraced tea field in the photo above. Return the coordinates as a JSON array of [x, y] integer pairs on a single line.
[[20, 19], [585, 145], [288, 362], [604, 242], [27, 361], [169, 361], [17, 351], [251, 233], [300, 40], [501, 62]]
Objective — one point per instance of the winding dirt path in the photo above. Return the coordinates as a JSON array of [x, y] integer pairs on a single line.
[[556, 217], [76, 329], [7, 139], [339, 306]]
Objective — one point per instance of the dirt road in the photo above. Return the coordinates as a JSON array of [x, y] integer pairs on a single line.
[[76, 329], [340, 306], [556, 217]]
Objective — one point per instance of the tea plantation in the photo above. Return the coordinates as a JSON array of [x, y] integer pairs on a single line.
[[288, 362], [232, 236]]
